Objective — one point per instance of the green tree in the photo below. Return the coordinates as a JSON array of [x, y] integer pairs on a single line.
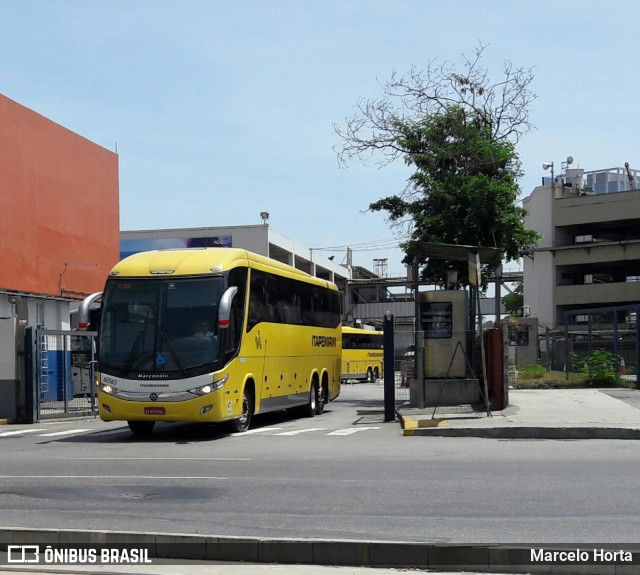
[[458, 132], [513, 301]]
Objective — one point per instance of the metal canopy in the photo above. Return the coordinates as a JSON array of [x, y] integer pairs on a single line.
[[453, 252]]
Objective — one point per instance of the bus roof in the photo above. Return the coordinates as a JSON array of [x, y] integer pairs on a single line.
[[347, 329], [204, 261]]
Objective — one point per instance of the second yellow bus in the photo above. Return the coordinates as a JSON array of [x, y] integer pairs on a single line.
[[362, 354]]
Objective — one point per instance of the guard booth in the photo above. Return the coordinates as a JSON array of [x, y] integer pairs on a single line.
[[449, 377], [450, 349], [444, 315]]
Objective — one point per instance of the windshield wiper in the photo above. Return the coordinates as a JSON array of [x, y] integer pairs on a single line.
[[174, 354], [133, 352]]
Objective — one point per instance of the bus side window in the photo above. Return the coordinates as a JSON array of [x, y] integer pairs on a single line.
[[237, 278], [257, 300]]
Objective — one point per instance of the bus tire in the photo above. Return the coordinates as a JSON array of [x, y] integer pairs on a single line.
[[320, 400], [312, 407], [242, 423], [370, 376], [376, 374], [141, 427]]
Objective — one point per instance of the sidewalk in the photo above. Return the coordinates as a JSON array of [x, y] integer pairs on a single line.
[[536, 414]]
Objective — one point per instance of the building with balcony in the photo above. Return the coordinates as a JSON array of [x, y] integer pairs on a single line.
[[589, 255]]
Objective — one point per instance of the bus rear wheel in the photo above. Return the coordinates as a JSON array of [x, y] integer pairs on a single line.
[[320, 401], [243, 422], [141, 427], [312, 407], [370, 376]]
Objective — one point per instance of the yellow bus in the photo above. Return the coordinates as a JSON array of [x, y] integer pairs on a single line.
[[362, 354], [213, 335]]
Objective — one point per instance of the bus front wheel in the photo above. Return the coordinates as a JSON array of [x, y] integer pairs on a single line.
[[244, 421], [141, 427]]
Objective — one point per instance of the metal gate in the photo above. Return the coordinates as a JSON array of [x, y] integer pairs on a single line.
[[64, 370]]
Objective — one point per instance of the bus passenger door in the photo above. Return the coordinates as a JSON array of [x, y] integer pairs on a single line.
[[254, 342]]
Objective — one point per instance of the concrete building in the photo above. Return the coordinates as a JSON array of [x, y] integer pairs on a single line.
[[59, 224], [589, 255], [260, 239]]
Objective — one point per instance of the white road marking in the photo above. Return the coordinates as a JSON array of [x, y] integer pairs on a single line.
[[67, 432], [102, 477], [161, 458], [299, 431], [19, 431], [351, 430], [264, 430], [252, 431]]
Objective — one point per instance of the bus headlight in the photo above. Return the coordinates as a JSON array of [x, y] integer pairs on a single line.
[[203, 390], [105, 388], [210, 387], [216, 385]]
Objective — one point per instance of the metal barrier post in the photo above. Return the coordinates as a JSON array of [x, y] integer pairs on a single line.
[[419, 370], [389, 369], [29, 410]]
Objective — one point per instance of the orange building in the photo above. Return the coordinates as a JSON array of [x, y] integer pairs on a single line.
[[59, 234], [59, 217]]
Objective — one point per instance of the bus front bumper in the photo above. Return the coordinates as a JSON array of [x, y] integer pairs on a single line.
[[212, 407]]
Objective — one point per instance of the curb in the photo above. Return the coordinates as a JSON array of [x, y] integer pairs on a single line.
[[491, 558], [524, 432], [409, 423], [451, 427]]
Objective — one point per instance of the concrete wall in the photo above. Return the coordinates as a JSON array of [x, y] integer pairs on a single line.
[[539, 270], [8, 369], [597, 208]]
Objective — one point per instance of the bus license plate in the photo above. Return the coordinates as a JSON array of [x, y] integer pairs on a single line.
[[154, 410]]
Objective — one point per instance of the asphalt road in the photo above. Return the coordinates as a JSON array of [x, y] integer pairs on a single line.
[[345, 474]]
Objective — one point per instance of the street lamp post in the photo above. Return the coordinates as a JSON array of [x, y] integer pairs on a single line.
[[546, 166]]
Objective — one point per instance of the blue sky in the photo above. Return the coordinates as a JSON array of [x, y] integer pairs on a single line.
[[222, 109]]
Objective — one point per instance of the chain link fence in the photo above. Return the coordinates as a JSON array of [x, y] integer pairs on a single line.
[[454, 367], [594, 348]]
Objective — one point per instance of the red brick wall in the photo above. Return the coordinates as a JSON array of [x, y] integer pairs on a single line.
[[59, 216]]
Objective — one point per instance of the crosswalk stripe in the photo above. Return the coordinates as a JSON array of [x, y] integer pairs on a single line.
[[252, 431], [263, 430], [67, 432], [299, 431], [351, 430], [19, 431]]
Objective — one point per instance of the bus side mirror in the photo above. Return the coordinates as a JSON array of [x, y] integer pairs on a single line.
[[224, 309]]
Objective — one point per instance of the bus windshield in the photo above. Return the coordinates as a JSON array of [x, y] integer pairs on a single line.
[[362, 340], [154, 326]]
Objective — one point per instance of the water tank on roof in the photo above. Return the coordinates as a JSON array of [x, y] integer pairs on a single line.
[[574, 177]]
